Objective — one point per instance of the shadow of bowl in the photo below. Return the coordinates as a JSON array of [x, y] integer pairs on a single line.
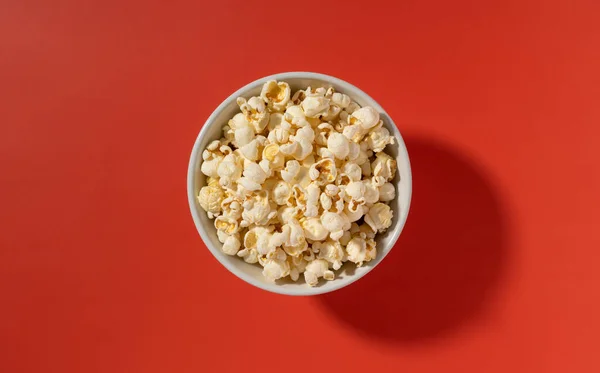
[[447, 261]]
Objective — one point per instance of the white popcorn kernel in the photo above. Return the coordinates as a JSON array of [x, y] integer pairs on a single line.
[[378, 181], [323, 172], [250, 151], [276, 94], [231, 208], [338, 145], [292, 168], [249, 255], [332, 190], [354, 132], [243, 135], [371, 192], [222, 236], [306, 133], [304, 149], [367, 117], [295, 115], [257, 104], [340, 99], [229, 170], [227, 225], [228, 135], [371, 250], [298, 196], [352, 107], [387, 192], [232, 245], [213, 146], [238, 121], [366, 232], [256, 210], [210, 198], [294, 274], [312, 200], [249, 184], [315, 270], [296, 243], [276, 269], [354, 213], [281, 193], [316, 92], [331, 251], [257, 239], [379, 217], [255, 173], [328, 275], [273, 156], [353, 171], [325, 153], [378, 139], [287, 213], [314, 230], [325, 201], [210, 167], [356, 251], [356, 190], [384, 166], [279, 238], [315, 106], [266, 167], [332, 222], [289, 149], [298, 97], [296, 250], [332, 113]]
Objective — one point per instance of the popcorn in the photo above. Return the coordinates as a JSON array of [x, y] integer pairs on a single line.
[[276, 94], [379, 217], [314, 270], [232, 245], [323, 172], [276, 269], [281, 192], [338, 145], [387, 192], [210, 198], [226, 224], [255, 173], [314, 230], [384, 166], [293, 178], [379, 138], [314, 106], [357, 251], [341, 100], [366, 117]]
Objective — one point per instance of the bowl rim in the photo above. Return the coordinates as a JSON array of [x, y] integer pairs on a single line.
[[274, 288]]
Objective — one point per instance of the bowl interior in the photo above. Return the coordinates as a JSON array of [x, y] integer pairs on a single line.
[[251, 273]]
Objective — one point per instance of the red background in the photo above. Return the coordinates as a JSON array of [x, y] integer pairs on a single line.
[[102, 270]]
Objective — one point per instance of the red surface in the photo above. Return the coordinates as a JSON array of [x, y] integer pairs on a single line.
[[102, 270]]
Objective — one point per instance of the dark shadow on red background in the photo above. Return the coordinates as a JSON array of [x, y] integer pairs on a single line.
[[447, 262]]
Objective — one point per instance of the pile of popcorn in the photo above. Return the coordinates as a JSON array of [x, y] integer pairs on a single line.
[[300, 183]]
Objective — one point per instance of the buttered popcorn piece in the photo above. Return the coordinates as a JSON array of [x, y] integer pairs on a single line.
[[300, 182]]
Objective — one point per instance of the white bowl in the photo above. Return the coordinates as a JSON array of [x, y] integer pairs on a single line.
[[252, 273]]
